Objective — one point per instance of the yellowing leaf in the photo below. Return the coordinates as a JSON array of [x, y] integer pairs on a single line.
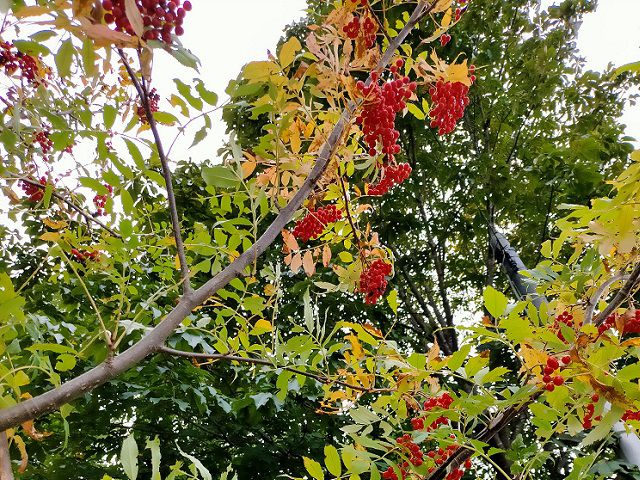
[[32, 11], [30, 430], [296, 263], [446, 19], [22, 448], [314, 468], [82, 7], [54, 224], [289, 240], [261, 326], [457, 73], [288, 51], [50, 236]]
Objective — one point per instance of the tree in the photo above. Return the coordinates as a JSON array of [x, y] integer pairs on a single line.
[[109, 289]]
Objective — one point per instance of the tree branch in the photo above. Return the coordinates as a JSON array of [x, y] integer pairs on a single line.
[[632, 280], [262, 361], [79, 210], [6, 473], [141, 88], [155, 338]]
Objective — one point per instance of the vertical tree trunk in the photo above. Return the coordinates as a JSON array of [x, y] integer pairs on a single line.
[[6, 473]]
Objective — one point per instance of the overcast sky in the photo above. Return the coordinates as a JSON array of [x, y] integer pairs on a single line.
[[227, 34]]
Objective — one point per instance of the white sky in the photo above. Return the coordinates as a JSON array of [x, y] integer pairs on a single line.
[[226, 34]]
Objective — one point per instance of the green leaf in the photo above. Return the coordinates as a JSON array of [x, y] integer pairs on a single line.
[[392, 300], [165, 118], [31, 48], [415, 111], [185, 91], [109, 114], [65, 362], [629, 67], [186, 57], [154, 446], [604, 427], [494, 301], [95, 185], [208, 96], [88, 57], [332, 460], [220, 176], [314, 468], [64, 57], [202, 470], [129, 457], [288, 51]]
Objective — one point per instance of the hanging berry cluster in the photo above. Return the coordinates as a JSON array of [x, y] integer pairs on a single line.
[[13, 60], [100, 201], [445, 38], [42, 138], [587, 421], [381, 105], [161, 18], [564, 318], [33, 192], [553, 366], [367, 27], [314, 223], [153, 98], [449, 101], [444, 401], [373, 281], [392, 175]]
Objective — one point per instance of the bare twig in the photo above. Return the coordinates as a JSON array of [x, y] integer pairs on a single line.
[[82, 212], [166, 173], [593, 301], [156, 337]]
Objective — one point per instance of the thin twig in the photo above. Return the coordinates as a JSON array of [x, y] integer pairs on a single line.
[[166, 173], [593, 301], [261, 361], [621, 296], [82, 212]]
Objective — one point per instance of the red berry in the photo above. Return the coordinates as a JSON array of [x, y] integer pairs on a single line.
[[558, 380], [566, 359], [550, 387]]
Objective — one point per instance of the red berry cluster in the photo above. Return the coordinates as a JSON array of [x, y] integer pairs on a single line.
[[313, 224], [392, 175], [449, 102], [631, 322], [460, 11], [373, 281], [46, 144], [368, 28], [153, 98], [551, 381], [444, 39], [587, 421], [444, 401], [631, 415], [161, 18], [100, 201], [609, 323], [382, 103], [84, 255], [363, 3], [13, 60], [33, 192], [564, 318]]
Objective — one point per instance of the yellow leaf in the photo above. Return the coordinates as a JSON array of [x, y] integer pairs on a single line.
[[50, 236], [446, 19], [308, 263], [262, 326], [296, 143], [457, 73], [288, 51], [24, 457], [441, 6], [32, 11], [55, 224], [533, 358], [30, 430], [177, 262], [258, 71], [248, 167], [146, 63]]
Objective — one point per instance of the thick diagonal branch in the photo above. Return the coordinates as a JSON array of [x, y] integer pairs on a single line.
[[156, 337], [621, 296]]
